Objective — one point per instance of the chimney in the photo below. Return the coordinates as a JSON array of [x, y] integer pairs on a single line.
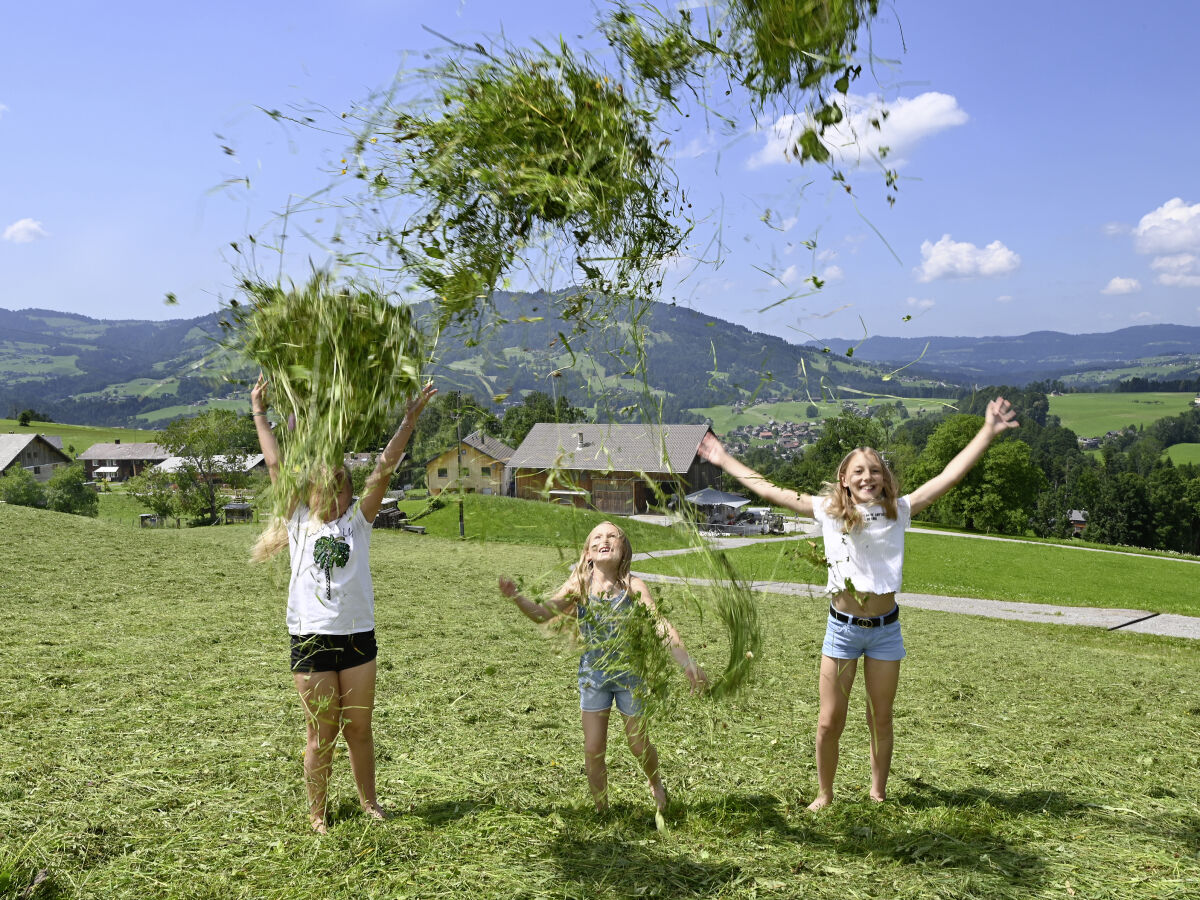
[[579, 440]]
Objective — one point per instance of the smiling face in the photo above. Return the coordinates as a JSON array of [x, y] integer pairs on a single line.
[[863, 474]]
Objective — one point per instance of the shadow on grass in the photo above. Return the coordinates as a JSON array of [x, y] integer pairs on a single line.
[[923, 795]]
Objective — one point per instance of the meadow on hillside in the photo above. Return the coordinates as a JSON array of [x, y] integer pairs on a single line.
[[1091, 415], [152, 745]]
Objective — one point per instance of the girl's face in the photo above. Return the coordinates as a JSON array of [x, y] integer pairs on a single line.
[[605, 545], [863, 477]]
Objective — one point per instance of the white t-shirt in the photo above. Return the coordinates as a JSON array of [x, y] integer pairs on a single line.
[[330, 590], [871, 557]]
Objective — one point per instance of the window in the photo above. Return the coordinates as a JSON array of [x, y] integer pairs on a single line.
[[485, 471], [443, 473], [464, 472]]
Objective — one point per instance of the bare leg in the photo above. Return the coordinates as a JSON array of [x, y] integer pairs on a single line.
[[837, 677], [881, 677], [595, 744], [646, 754], [322, 715], [358, 702]]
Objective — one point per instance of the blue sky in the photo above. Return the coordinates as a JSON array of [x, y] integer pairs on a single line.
[[1046, 153]]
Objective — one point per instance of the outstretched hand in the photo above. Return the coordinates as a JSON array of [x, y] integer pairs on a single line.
[[697, 677], [711, 449], [508, 588], [258, 394], [1000, 417], [417, 403]]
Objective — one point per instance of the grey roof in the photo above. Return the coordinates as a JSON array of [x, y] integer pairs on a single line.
[[617, 448], [124, 451], [221, 462], [11, 446], [485, 443]]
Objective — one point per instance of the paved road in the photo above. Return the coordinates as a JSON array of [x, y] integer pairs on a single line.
[[1167, 624]]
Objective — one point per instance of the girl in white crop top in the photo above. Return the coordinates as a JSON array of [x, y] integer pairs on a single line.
[[863, 518], [331, 609]]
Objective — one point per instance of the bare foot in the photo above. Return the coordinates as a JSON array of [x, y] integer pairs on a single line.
[[318, 825], [878, 798], [374, 811], [819, 803], [659, 792]]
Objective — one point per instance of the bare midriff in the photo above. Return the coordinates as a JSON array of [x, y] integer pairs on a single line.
[[864, 603]]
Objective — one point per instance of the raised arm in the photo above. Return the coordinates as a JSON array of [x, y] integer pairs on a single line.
[[712, 450], [999, 418], [562, 600], [666, 631], [266, 437], [377, 481]]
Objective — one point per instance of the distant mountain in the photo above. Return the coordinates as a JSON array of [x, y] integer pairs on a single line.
[[1018, 360]]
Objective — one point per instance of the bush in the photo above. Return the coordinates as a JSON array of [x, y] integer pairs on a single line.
[[68, 491], [20, 488]]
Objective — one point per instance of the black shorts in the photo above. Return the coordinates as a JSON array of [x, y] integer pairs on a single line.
[[332, 652]]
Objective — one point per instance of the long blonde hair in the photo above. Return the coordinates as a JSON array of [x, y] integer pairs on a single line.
[[320, 491], [838, 501], [583, 569]]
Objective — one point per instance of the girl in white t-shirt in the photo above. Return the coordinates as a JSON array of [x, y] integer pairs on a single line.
[[331, 609], [863, 518]]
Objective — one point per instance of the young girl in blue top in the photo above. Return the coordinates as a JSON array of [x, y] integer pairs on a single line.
[[331, 608], [601, 593], [863, 518]]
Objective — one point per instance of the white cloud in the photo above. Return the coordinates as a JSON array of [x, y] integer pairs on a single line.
[[1120, 285], [959, 259], [833, 273], [909, 121], [1004, 298], [1172, 228], [921, 304], [1143, 316], [788, 276], [25, 230], [3, 110], [1179, 270], [1115, 229], [826, 255]]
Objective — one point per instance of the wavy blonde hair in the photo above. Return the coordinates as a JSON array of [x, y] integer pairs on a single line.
[[320, 492], [837, 497]]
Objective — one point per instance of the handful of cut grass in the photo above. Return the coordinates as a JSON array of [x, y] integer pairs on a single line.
[[339, 362]]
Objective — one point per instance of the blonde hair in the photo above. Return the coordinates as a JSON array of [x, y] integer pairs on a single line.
[[838, 501], [320, 490], [583, 569]]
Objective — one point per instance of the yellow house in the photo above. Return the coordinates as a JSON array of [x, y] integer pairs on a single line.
[[477, 466]]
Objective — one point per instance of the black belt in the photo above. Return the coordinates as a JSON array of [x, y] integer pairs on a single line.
[[866, 621]]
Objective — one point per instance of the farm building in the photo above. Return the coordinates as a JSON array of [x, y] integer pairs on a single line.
[[612, 468], [120, 462], [478, 466], [247, 463], [33, 452]]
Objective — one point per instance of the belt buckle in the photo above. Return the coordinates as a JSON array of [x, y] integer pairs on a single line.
[[864, 623]]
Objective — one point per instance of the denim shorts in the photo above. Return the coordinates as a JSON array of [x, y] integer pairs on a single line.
[[600, 699], [332, 652], [844, 640]]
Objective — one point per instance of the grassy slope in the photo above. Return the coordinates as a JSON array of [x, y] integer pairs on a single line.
[[996, 570], [152, 746], [1183, 453], [1091, 415], [725, 420], [80, 436]]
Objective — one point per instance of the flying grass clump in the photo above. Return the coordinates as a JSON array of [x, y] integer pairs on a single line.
[[339, 361], [524, 154]]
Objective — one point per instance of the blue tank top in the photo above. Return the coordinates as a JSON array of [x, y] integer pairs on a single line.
[[602, 664]]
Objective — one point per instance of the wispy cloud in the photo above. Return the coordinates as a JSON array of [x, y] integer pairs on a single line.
[[908, 122], [1120, 285], [959, 259], [23, 231], [921, 304], [1171, 234]]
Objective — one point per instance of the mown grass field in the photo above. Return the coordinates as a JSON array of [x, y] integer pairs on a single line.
[[79, 436], [1091, 415], [725, 420], [995, 570], [1183, 453], [152, 745]]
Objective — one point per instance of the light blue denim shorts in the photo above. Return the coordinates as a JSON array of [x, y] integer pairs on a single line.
[[601, 699], [844, 640]]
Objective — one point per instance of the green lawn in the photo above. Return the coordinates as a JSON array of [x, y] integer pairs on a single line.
[[79, 436], [152, 745], [1091, 415], [725, 420], [1183, 453], [994, 570]]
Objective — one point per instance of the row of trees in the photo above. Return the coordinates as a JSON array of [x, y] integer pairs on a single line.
[[1030, 480], [66, 491]]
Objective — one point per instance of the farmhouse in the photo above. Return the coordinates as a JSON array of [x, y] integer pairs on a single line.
[[33, 452], [477, 465], [248, 463], [120, 462], [612, 468]]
